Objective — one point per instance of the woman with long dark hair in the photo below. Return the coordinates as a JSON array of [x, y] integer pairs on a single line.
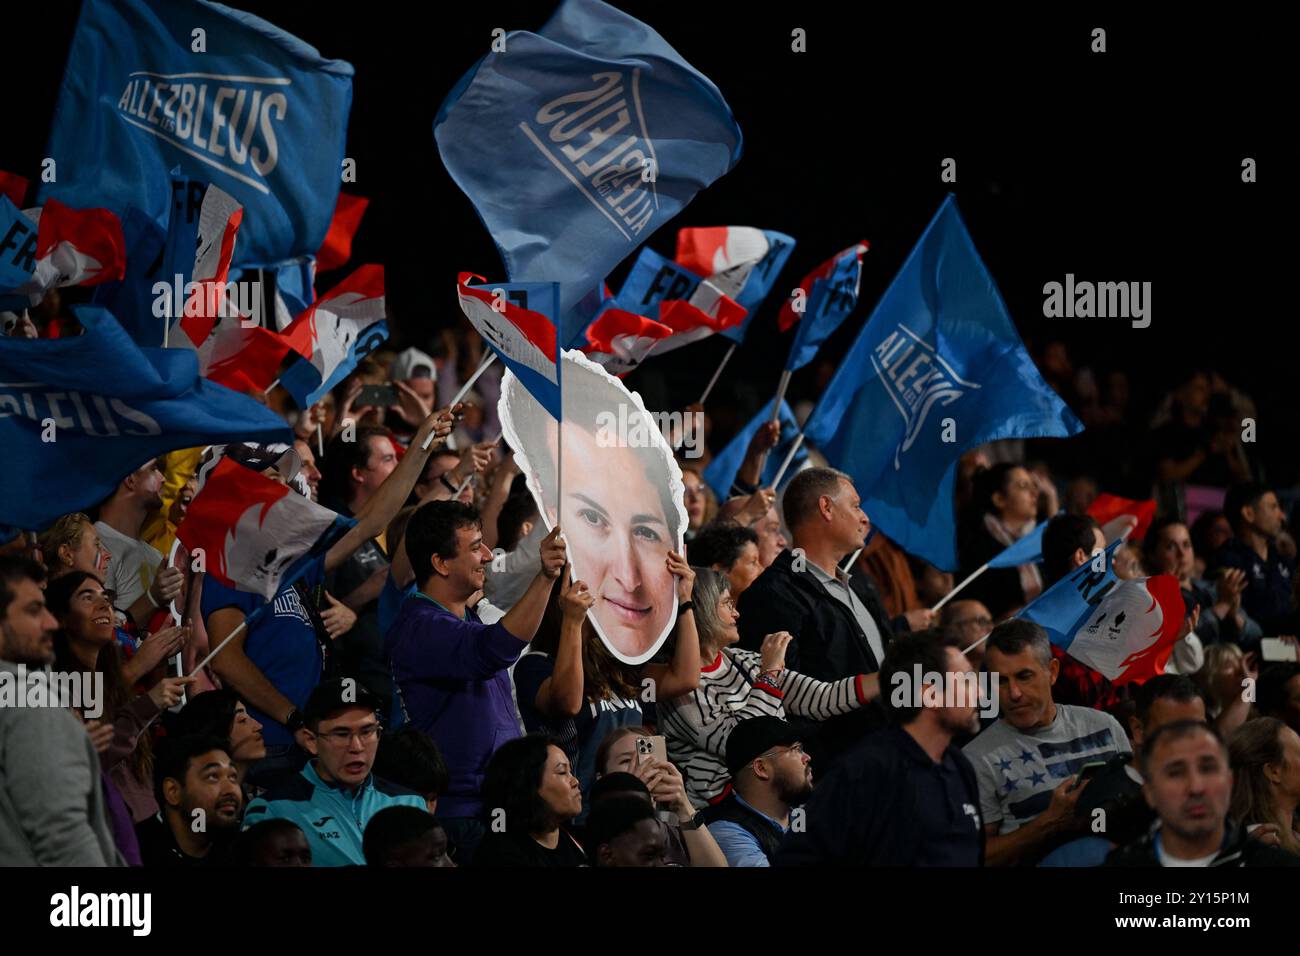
[[84, 643], [529, 795]]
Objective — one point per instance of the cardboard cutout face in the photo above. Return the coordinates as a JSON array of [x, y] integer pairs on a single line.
[[621, 510]]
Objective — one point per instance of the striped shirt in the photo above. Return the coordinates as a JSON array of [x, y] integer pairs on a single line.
[[733, 688]]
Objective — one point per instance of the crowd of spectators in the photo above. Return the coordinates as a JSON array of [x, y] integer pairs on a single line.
[[432, 692]]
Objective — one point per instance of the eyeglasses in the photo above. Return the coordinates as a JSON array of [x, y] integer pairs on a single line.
[[976, 622], [796, 749], [342, 737]]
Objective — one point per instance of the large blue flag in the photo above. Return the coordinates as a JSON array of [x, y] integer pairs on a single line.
[[937, 369], [724, 466], [517, 319], [598, 132], [77, 415], [257, 112], [832, 296]]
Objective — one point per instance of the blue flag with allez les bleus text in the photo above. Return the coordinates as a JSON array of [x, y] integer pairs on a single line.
[[598, 133], [937, 369], [256, 112]]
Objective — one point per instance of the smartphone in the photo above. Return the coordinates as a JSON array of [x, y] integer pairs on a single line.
[[1086, 773], [381, 395], [655, 747], [1275, 649]]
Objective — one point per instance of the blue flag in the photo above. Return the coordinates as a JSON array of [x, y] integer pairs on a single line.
[[258, 112], [131, 298], [1066, 606], [832, 297], [761, 280], [79, 414], [724, 466], [598, 132], [1028, 550], [517, 319], [937, 369]]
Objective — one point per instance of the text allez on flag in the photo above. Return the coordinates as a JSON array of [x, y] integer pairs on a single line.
[[227, 122], [619, 180]]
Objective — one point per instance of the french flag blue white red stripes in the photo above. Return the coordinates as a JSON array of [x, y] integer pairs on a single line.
[[518, 321], [256, 534]]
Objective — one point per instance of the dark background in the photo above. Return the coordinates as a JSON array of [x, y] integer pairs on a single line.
[[1122, 166]]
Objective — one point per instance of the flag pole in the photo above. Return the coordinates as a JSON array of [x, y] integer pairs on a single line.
[[217, 650], [780, 395], [464, 390], [270, 388], [320, 439], [789, 457], [978, 643], [470, 476], [949, 596], [179, 659], [717, 373]]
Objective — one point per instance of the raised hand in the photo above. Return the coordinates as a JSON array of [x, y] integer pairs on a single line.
[[554, 554]]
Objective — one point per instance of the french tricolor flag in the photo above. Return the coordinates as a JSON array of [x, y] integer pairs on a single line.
[[620, 340], [518, 321], [335, 333], [741, 261], [256, 534], [789, 317], [693, 307], [56, 245], [1125, 630]]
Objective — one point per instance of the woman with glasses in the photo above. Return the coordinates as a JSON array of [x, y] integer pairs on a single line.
[[116, 716], [737, 684], [1005, 508], [529, 796]]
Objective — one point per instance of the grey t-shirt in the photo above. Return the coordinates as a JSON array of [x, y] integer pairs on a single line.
[[1017, 770]]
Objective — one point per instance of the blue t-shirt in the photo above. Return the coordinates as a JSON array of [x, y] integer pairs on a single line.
[[282, 643]]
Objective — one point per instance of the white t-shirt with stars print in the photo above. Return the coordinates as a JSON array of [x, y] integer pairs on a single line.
[[1018, 770]]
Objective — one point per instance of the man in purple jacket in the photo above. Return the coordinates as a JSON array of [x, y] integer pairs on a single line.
[[452, 670]]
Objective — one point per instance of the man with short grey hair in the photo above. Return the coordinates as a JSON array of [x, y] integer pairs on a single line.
[[839, 622], [1028, 762]]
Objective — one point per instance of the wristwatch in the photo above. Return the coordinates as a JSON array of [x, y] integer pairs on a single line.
[[694, 823], [294, 722], [684, 607]]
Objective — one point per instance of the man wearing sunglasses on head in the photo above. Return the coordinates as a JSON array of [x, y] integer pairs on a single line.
[[335, 795]]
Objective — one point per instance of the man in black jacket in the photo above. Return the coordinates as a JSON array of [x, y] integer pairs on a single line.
[[906, 796], [839, 623], [1188, 782]]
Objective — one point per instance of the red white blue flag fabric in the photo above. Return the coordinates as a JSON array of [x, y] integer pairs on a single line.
[[741, 261], [55, 246], [335, 333], [518, 321], [619, 340], [598, 133], [256, 534], [693, 307], [1125, 630], [830, 293]]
